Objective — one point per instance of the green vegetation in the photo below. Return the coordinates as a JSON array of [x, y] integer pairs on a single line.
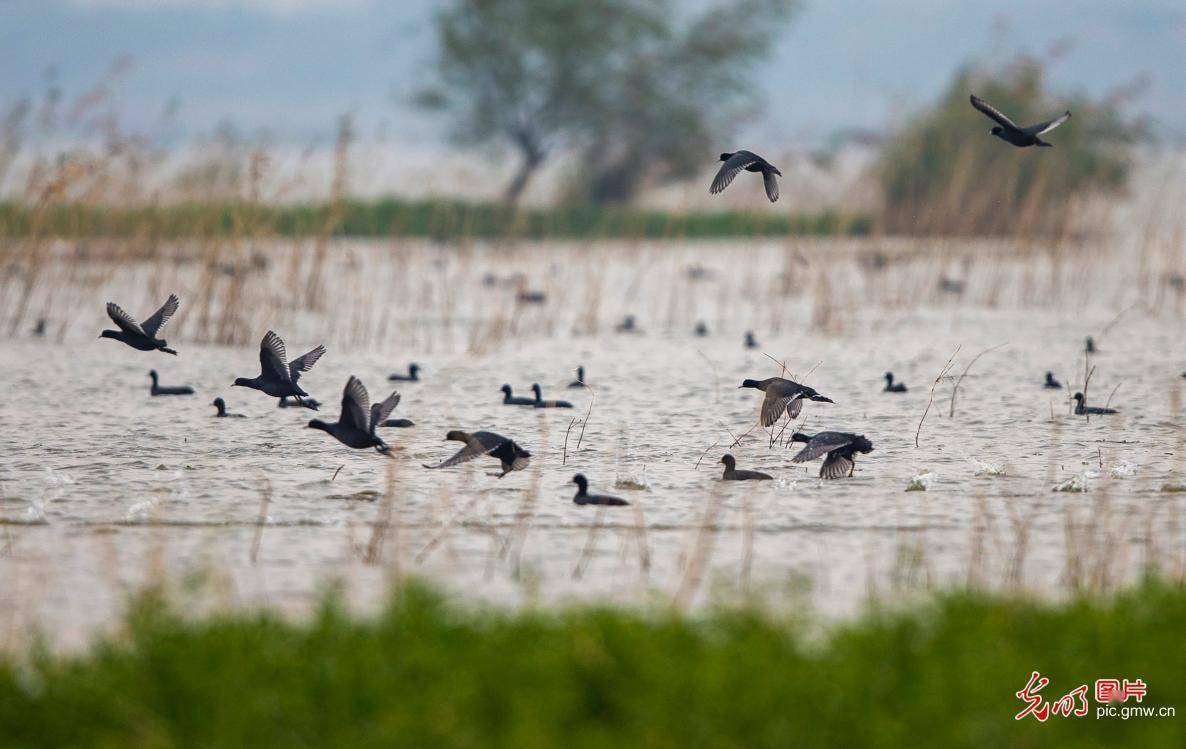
[[425, 673], [945, 174], [395, 218]]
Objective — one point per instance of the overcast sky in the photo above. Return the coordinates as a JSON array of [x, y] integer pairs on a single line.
[[291, 67]]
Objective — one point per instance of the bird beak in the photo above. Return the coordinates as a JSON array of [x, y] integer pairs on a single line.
[[823, 399]]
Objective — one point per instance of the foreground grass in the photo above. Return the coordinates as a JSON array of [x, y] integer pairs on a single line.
[[428, 674], [395, 218]]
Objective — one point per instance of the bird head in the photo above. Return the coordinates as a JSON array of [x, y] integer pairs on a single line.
[[318, 424], [457, 436], [109, 334], [241, 381], [800, 437], [219, 403], [750, 384], [506, 390], [996, 130], [1079, 397], [152, 373], [820, 398], [413, 369], [863, 445], [535, 388], [728, 460], [581, 482]]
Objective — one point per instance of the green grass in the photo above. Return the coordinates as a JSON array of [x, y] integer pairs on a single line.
[[427, 673], [395, 218]]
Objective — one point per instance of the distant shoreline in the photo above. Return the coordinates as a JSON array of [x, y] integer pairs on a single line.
[[390, 217]]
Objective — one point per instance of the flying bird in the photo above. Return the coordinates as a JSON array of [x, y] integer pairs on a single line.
[[1009, 132], [278, 377], [510, 455], [783, 396], [840, 447], [750, 162], [359, 419], [142, 336]]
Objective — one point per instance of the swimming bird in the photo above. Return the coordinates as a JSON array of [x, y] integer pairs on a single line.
[[510, 455], [701, 329], [1011, 133], [310, 403], [1089, 345], [142, 336], [750, 341], [627, 325], [583, 497], [732, 474], [359, 419], [579, 382], [220, 404], [539, 401], [39, 329], [278, 377], [1081, 410], [156, 389], [510, 399], [782, 395], [891, 386], [750, 162], [413, 375], [398, 423], [840, 447], [1051, 383]]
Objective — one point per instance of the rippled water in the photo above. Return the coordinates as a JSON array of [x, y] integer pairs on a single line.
[[103, 487]]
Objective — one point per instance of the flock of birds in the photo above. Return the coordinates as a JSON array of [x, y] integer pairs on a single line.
[[359, 420]]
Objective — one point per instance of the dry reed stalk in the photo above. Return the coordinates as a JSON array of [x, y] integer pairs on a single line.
[[700, 555], [382, 520], [931, 398], [265, 498], [590, 545], [955, 388]]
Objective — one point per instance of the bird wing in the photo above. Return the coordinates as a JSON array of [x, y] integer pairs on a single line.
[[273, 357], [1045, 127], [161, 316], [836, 466], [775, 404], [479, 444], [356, 405], [771, 183], [993, 112], [821, 444], [123, 319], [304, 363], [380, 411], [730, 168]]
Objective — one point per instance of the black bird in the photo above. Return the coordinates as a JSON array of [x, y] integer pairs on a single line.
[[750, 341], [156, 389], [1009, 132], [413, 375], [750, 162], [1089, 345], [583, 497], [1081, 410], [1051, 383], [39, 329], [510, 455], [579, 382], [782, 395], [539, 401], [732, 474], [278, 378], [356, 426], [891, 386], [220, 404], [840, 447], [310, 403], [627, 325], [510, 399], [701, 329], [398, 423], [142, 336]]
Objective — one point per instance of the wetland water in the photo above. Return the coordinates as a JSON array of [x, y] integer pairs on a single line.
[[103, 488]]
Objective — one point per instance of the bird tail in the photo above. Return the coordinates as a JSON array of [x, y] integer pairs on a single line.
[[169, 351], [1044, 144]]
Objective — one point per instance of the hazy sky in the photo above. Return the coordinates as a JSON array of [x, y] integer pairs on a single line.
[[291, 67]]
